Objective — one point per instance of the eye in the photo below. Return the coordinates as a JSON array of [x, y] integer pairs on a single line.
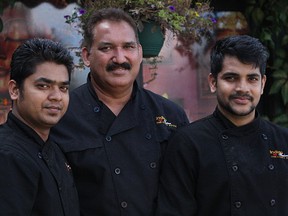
[[105, 48], [230, 78], [64, 88], [42, 86], [130, 46], [254, 78]]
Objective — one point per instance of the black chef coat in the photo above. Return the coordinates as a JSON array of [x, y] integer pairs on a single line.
[[214, 168], [115, 160], [35, 179]]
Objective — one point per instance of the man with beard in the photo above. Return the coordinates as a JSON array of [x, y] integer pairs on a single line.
[[231, 162], [114, 130]]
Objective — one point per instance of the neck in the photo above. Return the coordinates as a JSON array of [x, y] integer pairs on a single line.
[[238, 120], [114, 100], [42, 132]]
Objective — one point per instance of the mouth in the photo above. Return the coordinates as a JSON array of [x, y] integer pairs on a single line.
[[241, 100], [54, 109]]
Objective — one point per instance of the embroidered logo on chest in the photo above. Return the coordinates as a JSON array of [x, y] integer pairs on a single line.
[[162, 120], [278, 154]]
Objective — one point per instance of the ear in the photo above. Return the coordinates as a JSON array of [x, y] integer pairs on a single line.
[[212, 83], [140, 51], [263, 81], [85, 56], [13, 90]]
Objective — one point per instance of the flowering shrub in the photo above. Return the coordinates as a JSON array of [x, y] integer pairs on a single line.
[[188, 19]]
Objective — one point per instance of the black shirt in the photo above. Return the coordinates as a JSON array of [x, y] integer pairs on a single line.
[[116, 159], [35, 177], [212, 167]]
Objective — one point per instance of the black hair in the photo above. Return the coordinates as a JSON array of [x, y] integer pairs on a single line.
[[247, 49], [113, 14], [34, 52]]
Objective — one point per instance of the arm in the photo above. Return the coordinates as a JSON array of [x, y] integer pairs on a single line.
[[18, 185], [178, 179]]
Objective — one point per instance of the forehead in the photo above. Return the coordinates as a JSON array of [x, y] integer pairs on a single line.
[[232, 64], [108, 30], [51, 71]]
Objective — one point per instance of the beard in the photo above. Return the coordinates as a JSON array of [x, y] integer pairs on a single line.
[[228, 106]]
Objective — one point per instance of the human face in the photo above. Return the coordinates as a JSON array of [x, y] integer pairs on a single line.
[[238, 88], [44, 98], [114, 42]]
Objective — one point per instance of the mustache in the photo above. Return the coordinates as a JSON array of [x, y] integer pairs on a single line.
[[113, 66], [246, 96]]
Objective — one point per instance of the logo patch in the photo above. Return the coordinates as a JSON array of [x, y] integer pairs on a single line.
[[278, 154], [163, 120]]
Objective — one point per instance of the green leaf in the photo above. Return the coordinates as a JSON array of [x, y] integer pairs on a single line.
[[258, 15], [284, 40], [281, 119], [280, 53], [278, 63], [276, 86], [280, 74], [284, 92]]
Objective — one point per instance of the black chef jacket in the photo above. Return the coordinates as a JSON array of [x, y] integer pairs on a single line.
[[35, 179], [115, 160], [214, 168]]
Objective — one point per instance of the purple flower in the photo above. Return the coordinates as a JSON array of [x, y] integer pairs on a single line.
[[82, 11], [171, 8], [213, 20], [67, 17]]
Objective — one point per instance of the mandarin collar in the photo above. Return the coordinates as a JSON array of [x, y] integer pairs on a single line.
[[227, 124], [25, 130]]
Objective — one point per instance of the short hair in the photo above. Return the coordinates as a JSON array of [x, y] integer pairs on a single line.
[[246, 49], [34, 52], [112, 14]]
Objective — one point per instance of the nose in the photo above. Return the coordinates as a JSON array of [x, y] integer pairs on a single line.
[[55, 94], [242, 86], [119, 56]]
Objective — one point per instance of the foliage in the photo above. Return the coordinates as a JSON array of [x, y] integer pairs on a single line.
[[268, 19], [189, 19]]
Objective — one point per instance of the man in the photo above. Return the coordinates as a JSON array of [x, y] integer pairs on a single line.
[[114, 130], [231, 162], [35, 177]]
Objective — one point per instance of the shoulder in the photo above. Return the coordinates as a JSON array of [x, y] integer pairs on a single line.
[[273, 128], [158, 100]]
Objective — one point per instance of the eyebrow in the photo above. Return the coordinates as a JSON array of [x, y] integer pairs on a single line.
[[45, 80], [111, 44], [237, 74]]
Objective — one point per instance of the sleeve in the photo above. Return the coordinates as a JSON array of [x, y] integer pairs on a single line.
[[176, 195], [18, 184]]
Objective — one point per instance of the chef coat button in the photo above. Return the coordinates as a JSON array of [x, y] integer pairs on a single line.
[[238, 204], [143, 107], [153, 165], [117, 171], [124, 204], [272, 202], [271, 167], [235, 168], [224, 136], [264, 136], [148, 136], [96, 109], [108, 138], [40, 155]]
